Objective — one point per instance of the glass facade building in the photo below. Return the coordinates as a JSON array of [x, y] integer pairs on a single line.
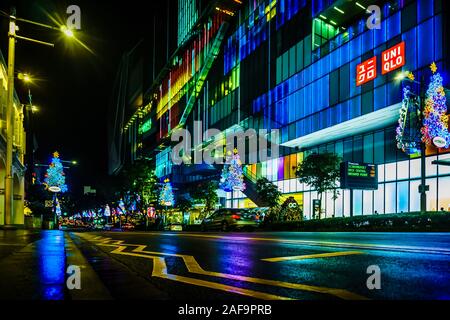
[[293, 65]]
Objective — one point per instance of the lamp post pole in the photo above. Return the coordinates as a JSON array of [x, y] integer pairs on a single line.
[[9, 119], [423, 148]]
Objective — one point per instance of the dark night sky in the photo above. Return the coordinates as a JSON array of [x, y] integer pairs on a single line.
[[75, 86]]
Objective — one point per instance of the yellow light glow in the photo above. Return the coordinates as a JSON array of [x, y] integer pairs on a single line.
[[68, 32]]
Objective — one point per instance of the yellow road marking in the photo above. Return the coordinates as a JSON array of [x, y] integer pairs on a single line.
[[160, 270], [313, 256], [193, 267]]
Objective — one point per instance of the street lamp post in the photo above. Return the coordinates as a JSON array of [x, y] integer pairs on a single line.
[[423, 188], [9, 119], [12, 36]]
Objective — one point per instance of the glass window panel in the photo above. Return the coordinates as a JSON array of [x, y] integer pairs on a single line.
[[346, 209], [444, 169], [379, 147], [432, 195], [431, 168], [338, 205], [368, 148], [414, 196], [357, 202], [390, 197], [444, 194], [391, 172], [329, 212], [426, 40], [424, 9], [367, 202], [403, 170], [415, 168], [379, 200], [402, 196]]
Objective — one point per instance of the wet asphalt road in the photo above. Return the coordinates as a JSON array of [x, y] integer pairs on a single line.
[[229, 266]]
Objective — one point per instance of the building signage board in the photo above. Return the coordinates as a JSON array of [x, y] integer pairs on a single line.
[[366, 71], [391, 59], [361, 176]]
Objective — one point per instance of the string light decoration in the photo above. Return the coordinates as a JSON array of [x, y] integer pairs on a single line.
[[407, 132], [55, 178], [435, 122], [232, 178], [166, 197]]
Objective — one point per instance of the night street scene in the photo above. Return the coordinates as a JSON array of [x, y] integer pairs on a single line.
[[217, 156]]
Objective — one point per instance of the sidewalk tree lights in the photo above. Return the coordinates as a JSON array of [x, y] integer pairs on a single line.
[[321, 172], [55, 182], [12, 38], [166, 197], [407, 132], [232, 178], [433, 119], [55, 179]]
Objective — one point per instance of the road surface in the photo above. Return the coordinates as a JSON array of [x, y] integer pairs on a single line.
[[272, 266]]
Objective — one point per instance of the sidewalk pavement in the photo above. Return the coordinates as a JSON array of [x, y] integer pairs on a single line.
[[33, 267]]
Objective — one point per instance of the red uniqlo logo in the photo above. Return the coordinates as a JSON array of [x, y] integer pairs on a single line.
[[393, 58], [366, 71]]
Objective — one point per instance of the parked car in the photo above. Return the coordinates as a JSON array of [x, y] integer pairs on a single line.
[[127, 227], [230, 219], [108, 227]]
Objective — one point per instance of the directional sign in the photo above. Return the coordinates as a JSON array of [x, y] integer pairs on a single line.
[[361, 176]]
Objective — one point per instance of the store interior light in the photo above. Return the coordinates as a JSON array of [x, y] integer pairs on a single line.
[[339, 10], [323, 17], [360, 5]]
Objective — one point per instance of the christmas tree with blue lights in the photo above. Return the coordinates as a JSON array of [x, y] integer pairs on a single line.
[[166, 197], [232, 178], [435, 121], [55, 174]]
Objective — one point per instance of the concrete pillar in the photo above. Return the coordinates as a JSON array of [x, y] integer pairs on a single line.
[[18, 204]]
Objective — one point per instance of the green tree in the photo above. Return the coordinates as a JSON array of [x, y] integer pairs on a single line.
[[321, 172], [140, 179], [184, 204], [268, 192], [206, 194]]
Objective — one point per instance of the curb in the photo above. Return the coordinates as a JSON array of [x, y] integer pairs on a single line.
[[92, 288]]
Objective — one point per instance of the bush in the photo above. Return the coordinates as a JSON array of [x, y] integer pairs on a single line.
[[439, 222]]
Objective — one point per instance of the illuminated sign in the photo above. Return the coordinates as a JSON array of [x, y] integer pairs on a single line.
[[54, 189], [360, 176], [439, 142], [366, 71], [393, 58]]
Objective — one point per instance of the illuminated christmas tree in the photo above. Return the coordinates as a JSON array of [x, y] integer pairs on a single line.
[[166, 197], [55, 178], [408, 130], [435, 122], [232, 178]]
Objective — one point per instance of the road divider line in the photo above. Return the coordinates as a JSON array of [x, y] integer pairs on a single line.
[[369, 246], [313, 256]]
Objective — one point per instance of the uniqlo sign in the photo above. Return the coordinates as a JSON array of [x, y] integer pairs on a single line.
[[366, 71], [393, 58]]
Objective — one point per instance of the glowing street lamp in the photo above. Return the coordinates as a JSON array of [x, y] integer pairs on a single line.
[[13, 37]]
